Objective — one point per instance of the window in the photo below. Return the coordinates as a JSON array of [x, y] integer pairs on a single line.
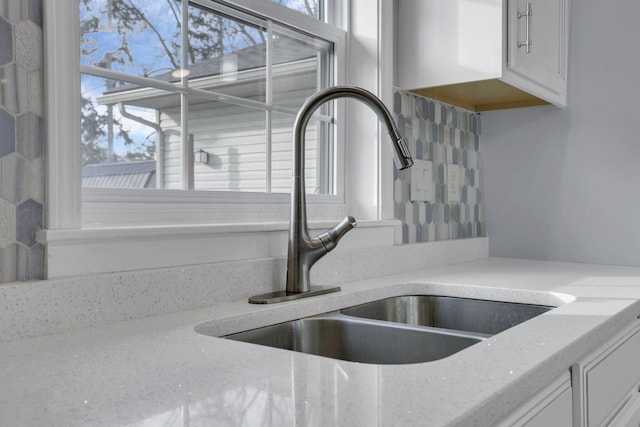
[[208, 105], [72, 206], [107, 229]]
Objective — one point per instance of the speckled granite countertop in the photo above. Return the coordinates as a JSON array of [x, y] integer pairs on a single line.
[[159, 371]]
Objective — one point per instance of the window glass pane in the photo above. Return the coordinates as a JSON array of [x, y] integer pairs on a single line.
[[315, 173], [120, 133], [300, 68], [131, 127], [226, 55], [229, 144], [308, 7], [139, 37]]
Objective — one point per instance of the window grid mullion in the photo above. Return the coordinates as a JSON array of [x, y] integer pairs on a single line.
[[188, 176], [269, 101], [200, 93]]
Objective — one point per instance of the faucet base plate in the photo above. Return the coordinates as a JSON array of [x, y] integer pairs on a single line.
[[281, 296]]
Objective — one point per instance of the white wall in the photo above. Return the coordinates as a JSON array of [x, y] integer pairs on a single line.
[[565, 184]]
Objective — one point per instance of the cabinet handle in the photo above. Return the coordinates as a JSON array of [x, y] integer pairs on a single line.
[[527, 19]]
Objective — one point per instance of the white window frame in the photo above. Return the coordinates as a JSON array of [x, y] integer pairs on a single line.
[[73, 207], [70, 209]]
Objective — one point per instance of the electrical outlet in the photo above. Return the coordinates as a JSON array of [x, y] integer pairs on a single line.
[[453, 183], [422, 188]]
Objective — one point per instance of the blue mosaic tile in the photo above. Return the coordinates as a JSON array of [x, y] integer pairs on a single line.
[[30, 136], [416, 213], [435, 132], [432, 111], [7, 133], [428, 213], [419, 233], [475, 124], [397, 103], [15, 181], [419, 149], [417, 107], [6, 42], [446, 214], [441, 173], [29, 219], [463, 194]]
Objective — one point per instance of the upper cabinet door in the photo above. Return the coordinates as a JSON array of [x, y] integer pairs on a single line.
[[465, 52], [537, 45]]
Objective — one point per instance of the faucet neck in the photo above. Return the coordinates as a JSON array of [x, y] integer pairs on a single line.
[[303, 250]]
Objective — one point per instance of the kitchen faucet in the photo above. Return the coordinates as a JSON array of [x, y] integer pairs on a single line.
[[303, 250]]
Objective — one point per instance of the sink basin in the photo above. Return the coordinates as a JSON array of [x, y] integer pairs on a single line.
[[359, 340], [461, 314], [397, 330]]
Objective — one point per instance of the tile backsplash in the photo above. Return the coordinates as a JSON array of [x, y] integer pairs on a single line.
[[443, 135], [21, 140]]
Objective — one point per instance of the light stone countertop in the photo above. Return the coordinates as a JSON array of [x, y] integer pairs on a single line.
[[159, 371]]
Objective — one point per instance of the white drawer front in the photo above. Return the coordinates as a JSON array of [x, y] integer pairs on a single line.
[[609, 382]]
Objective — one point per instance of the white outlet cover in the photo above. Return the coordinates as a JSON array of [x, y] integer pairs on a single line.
[[422, 188], [453, 183]]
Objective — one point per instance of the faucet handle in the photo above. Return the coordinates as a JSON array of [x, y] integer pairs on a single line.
[[330, 238]]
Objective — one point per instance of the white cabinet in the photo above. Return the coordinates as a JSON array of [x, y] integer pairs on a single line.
[[484, 54], [607, 384], [551, 407]]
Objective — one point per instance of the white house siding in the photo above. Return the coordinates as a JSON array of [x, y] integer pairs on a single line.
[[235, 139]]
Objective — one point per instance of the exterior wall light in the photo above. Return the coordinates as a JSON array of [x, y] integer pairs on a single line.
[[201, 156]]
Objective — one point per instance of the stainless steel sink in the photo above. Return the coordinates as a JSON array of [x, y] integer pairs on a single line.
[[359, 340], [461, 314], [398, 330]]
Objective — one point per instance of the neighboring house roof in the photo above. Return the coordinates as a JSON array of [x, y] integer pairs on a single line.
[[140, 174], [285, 50]]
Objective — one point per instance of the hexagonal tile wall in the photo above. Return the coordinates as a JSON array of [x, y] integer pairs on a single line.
[[21, 140], [443, 135]]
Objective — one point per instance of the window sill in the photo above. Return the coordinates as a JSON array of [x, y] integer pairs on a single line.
[[105, 250]]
